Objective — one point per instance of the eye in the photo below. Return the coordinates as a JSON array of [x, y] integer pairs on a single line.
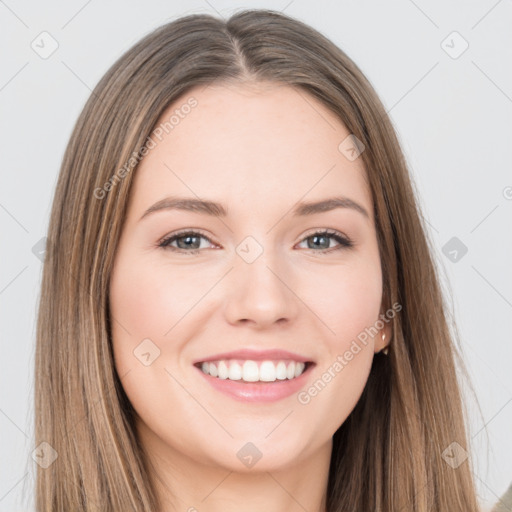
[[322, 240], [188, 242]]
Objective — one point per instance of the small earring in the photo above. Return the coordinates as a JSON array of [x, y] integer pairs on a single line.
[[385, 350]]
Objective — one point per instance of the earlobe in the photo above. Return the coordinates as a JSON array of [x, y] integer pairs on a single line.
[[385, 349], [385, 333]]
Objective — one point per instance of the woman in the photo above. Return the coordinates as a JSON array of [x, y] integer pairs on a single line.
[[242, 310]]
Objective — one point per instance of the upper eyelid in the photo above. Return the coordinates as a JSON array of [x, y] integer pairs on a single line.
[[187, 232]]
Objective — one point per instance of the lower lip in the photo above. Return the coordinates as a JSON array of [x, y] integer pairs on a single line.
[[258, 391]]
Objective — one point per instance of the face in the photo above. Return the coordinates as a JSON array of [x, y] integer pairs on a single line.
[[260, 275]]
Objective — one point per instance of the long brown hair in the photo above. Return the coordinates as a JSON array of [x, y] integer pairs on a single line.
[[390, 454]]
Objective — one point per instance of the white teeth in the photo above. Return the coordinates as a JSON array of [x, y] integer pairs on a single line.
[[235, 371], [281, 371], [249, 371], [267, 371], [299, 368], [223, 370]]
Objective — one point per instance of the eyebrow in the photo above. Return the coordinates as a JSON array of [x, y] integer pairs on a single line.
[[215, 209]]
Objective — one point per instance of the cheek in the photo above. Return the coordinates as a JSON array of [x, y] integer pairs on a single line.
[[146, 301], [138, 314], [347, 299], [149, 300], [153, 306]]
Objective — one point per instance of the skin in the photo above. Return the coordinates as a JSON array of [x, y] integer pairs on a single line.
[[258, 149]]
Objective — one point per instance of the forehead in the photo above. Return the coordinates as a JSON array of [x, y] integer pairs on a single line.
[[249, 144]]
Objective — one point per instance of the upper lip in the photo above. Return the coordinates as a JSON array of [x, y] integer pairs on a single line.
[[256, 355]]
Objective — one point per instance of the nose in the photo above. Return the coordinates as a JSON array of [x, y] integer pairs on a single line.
[[260, 293]]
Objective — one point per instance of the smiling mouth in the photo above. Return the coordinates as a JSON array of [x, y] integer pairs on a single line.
[[251, 371]]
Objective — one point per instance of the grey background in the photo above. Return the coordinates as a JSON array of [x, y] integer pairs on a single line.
[[453, 116]]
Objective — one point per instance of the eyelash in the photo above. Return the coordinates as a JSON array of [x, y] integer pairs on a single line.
[[344, 242]]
